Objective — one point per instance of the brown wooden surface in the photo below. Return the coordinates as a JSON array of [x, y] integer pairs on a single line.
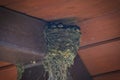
[[8, 73], [110, 76], [6, 2], [99, 21], [102, 58], [81, 8], [2, 64], [100, 28]]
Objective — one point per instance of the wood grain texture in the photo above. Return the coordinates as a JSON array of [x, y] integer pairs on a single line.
[[103, 58]]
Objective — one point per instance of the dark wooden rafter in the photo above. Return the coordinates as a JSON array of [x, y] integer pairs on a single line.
[[21, 37]]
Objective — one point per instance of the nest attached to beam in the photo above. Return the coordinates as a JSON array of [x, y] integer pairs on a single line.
[[62, 45]]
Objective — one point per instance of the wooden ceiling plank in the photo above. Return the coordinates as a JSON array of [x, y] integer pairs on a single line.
[[6, 2], [82, 9], [100, 29], [103, 58], [8, 73], [2, 64], [111, 76]]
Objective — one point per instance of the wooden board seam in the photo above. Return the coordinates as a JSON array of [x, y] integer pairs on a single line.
[[99, 43], [106, 73]]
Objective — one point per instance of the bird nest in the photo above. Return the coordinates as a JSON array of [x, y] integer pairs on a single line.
[[62, 45]]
